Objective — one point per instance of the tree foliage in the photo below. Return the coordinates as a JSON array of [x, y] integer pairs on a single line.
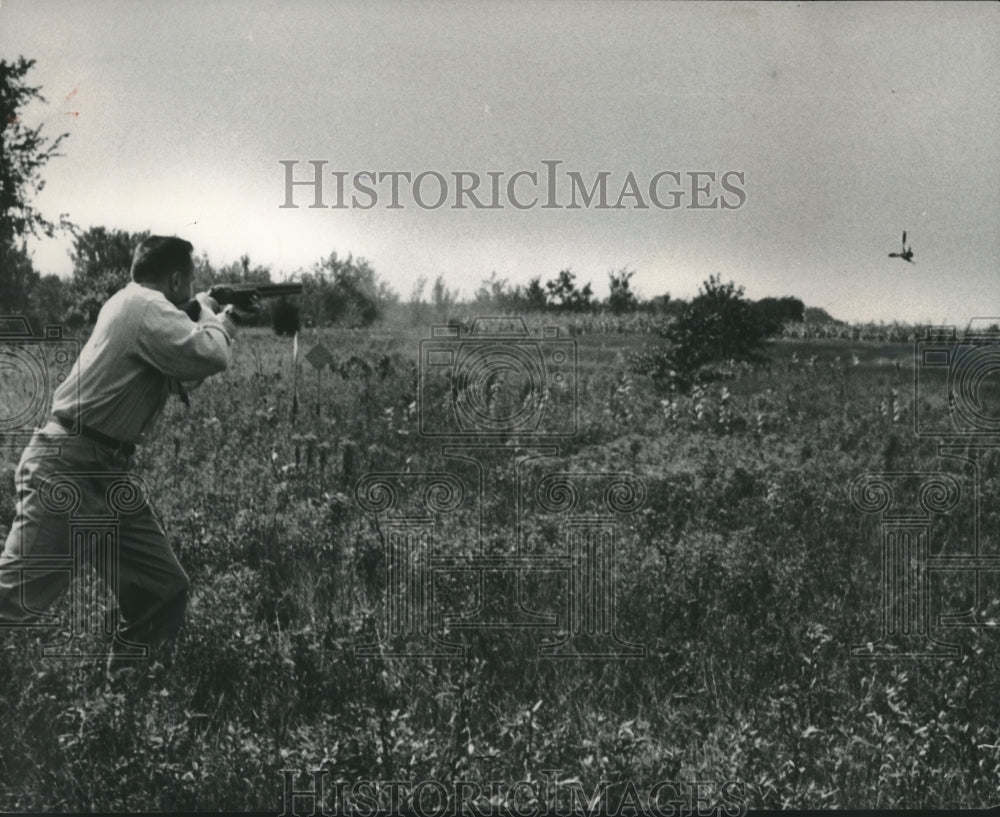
[[102, 260], [344, 291], [98, 251], [718, 325], [442, 297], [621, 298], [24, 152], [241, 272], [775, 312], [816, 314], [563, 292], [499, 295], [17, 279], [534, 294]]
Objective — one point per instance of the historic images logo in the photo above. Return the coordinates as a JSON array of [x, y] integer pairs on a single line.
[[546, 794], [956, 403], [90, 505], [550, 189], [500, 400]]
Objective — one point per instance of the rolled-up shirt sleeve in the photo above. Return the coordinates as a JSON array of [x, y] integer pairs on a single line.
[[170, 342]]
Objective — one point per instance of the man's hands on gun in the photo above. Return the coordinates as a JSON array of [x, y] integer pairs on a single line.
[[239, 304], [207, 302], [250, 306]]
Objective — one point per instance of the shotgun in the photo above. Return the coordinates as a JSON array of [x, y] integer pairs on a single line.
[[241, 295]]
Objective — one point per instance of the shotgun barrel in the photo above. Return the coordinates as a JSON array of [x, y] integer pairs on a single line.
[[241, 295]]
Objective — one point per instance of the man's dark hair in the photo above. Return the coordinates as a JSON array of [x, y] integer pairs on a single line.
[[158, 256]]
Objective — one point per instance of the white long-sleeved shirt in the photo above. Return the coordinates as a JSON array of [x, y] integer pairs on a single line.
[[141, 348]]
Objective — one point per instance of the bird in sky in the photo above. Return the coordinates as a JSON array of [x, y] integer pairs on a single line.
[[906, 254]]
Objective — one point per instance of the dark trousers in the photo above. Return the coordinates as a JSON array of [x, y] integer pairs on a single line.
[[78, 502]]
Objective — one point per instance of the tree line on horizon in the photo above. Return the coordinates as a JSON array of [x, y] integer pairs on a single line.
[[337, 290]]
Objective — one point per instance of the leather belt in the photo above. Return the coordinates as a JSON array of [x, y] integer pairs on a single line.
[[128, 449]]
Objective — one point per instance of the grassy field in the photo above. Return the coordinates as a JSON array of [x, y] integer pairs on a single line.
[[747, 574]]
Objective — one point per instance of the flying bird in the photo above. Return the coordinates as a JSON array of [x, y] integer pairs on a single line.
[[906, 254]]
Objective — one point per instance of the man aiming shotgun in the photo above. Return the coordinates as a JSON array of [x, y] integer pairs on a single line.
[[143, 349]]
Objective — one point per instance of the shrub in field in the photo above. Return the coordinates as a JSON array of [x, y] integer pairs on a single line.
[[345, 291], [718, 325], [622, 299], [778, 311]]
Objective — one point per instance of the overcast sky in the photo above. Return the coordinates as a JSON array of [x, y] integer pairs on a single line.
[[849, 123]]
